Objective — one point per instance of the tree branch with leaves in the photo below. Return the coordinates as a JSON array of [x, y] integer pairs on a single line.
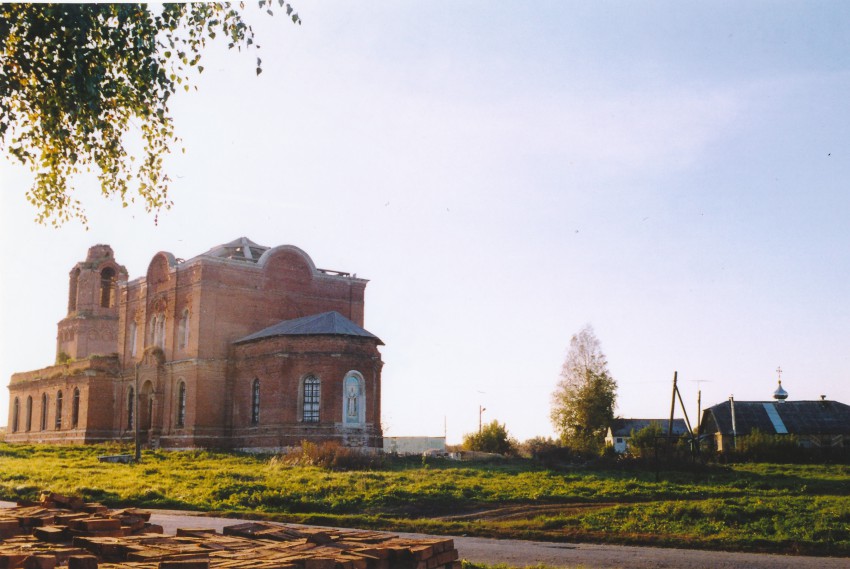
[[78, 80]]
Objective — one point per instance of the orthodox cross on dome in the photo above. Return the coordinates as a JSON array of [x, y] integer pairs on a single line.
[[780, 394]]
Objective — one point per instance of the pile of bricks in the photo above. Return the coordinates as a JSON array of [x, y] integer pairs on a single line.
[[58, 519], [58, 533]]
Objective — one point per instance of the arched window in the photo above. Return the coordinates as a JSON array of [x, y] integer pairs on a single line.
[[145, 401], [159, 331], [43, 412], [131, 408], [255, 402], [150, 338], [132, 338], [183, 330], [353, 399], [107, 287], [29, 413], [181, 404], [75, 409], [58, 422], [311, 399], [156, 331], [16, 411]]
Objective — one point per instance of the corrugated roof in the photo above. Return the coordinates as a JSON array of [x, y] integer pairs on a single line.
[[325, 324], [624, 427], [798, 417]]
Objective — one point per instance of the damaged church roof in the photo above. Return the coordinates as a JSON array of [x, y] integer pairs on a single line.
[[242, 249], [325, 324]]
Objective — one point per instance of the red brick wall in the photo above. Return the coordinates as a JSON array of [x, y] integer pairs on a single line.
[[226, 300], [94, 378], [281, 364]]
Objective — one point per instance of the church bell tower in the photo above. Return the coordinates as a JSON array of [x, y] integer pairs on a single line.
[[91, 326]]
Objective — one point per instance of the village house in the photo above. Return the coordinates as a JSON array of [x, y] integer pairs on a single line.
[[242, 347], [621, 430], [816, 424]]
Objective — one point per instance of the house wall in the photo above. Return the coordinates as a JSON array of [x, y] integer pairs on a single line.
[[620, 444]]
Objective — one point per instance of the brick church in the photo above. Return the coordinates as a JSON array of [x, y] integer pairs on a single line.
[[242, 347]]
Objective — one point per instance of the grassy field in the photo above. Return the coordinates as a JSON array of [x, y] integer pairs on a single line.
[[764, 507]]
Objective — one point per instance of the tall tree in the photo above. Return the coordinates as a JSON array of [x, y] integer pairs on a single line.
[[77, 79], [583, 401]]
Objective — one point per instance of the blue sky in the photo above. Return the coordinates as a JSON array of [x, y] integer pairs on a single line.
[[673, 174]]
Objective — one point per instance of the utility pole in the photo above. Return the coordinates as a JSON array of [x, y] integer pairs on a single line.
[[677, 393], [699, 403], [672, 408], [699, 410]]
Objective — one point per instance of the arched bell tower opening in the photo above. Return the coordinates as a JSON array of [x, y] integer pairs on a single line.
[[107, 288], [72, 290]]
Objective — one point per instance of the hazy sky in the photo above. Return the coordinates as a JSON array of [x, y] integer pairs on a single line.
[[673, 173]]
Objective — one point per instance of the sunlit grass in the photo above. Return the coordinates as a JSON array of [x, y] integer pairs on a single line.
[[792, 508]]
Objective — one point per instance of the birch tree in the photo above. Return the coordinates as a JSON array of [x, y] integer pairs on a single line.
[[76, 80], [584, 398]]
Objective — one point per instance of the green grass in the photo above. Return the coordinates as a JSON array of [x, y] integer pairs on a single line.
[[756, 507]]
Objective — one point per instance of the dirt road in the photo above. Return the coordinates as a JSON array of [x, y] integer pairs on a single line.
[[587, 556]]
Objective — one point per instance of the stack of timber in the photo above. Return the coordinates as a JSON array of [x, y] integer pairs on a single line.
[[61, 532]]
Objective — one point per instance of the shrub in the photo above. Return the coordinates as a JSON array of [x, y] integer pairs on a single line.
[[762, 447], [63, 358], [537, 446], [492, 437], [550, 452], [642, 442]]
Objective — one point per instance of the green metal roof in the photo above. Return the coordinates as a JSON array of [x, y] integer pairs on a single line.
[[325, 324]]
